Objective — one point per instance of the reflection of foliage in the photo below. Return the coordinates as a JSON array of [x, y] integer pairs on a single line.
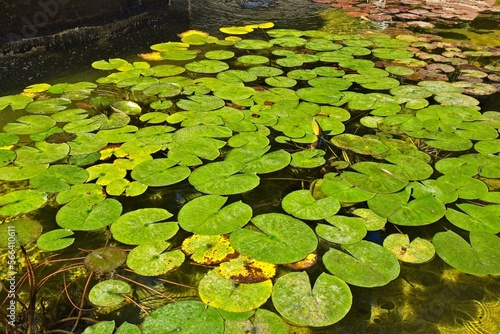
[[357, 131]]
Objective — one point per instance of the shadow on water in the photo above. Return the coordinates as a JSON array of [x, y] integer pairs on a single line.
[[70, 53]]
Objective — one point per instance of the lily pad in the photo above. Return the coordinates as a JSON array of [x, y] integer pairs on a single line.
[[30, 124], [223, 178], [207, 66], [21, 231], [15, 101], [208, 249], [128, 107], [21, 201], [184, 317], [263, 321], [301, 204], [374, 177], [476, 218], [366, 264], [88, 217], [105, 259], [417, 251], [152, 259], [324, 304], [160, 172], [109, 292], [223, 293], [308, 158], [201, 103], [398, 208], [480, 257], [143, 225], [246, 270], [55, 240], [58, 178], [206, 215], [342, 229], [21, 172], [281, 239]]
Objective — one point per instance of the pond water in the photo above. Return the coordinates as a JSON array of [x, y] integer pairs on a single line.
[[244, 166]]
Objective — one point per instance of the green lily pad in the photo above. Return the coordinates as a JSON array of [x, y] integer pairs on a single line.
[[88, 217], [58, 178], [308, 158], [344, 192], [201, 103], [343, 230], [15, 101], [236, 76], [366, 265], [127, 328], [83, 126], [372, 221], [476, 218], [22, 231], [167, 70], [21, 172], [417, 251], [105, 259], [103, 327], [466, 187], [55, 240], [143, 225], [222, 293], [281, 239], [47, 106], [43, 153], [184, 317], [320, 95], [374, 177], [30, 124], [21, 201], [480, 257], [179, 54], [163, 89], [265, 71], [104, 174], [399, 70], [398, 208], [263, 321], [160, 172], [206, 215], [128, 107], [152, 259], [233, 92], [86, 143], [207, 66], [208, 249], [324, 304], [301, 204], [219, 54], [361, 145], [223, 178], [268, 163], [109, 292]]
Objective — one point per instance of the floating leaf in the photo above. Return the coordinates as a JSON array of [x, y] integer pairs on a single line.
[[344, 192], [223, 178], [21, 172], [208, 249], [109, 292], [366, 265], [21, 201], [47, 106], [58, 178], [372, 221], [201, 103], [105, 259], [128, 107], [160, 172], [302, 305], [104, 174], [343, 230], [308, 158], [222, 293], [143, 225], [184, 317], [15, 101], [282, 239], [55, 240], [398, 208], [151, 259], [21, 231], [207, 66], [374, 177], [263, 321], [301, 204], [30, 124], [246, 270], [102, 327], [206, 215], [480, 257], [476, 218], [417, 251], [88, 217]]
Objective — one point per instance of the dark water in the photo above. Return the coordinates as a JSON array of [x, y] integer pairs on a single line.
[[69, 55]]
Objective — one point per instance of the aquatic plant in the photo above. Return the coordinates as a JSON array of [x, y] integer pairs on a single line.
[[160, 163]]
